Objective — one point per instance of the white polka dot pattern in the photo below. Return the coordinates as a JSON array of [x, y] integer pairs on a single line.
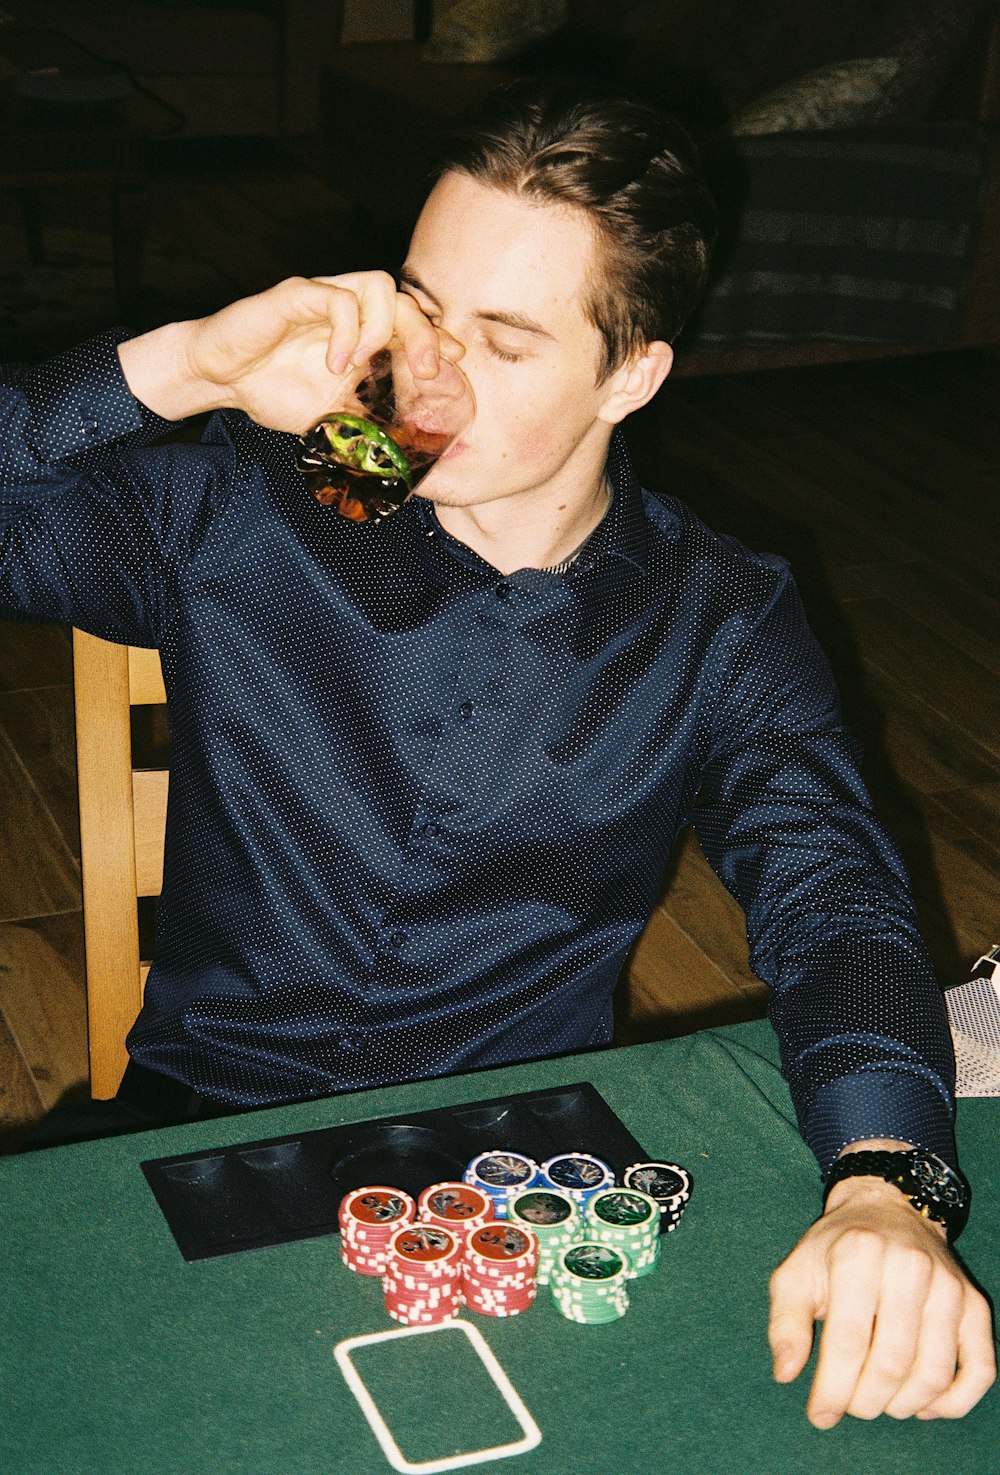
[[419, 812]]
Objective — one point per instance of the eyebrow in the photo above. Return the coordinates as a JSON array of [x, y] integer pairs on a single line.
[[517, 320]]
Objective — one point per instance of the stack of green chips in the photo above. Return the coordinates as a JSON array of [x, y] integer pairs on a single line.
[[588, 1283], [629, 1221], [552, 1217]]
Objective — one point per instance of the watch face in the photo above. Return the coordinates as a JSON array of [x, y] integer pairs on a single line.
[[937, 1179]]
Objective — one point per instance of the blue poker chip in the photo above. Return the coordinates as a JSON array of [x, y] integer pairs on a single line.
[[500, 1173], [579, 1174]]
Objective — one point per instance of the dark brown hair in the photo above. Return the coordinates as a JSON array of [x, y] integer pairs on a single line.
[[633, 171]]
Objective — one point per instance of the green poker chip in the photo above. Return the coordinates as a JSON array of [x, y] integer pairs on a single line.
[[588, 1283], [592, 1262], [553, 1217], [628, 1220], [363, 446]]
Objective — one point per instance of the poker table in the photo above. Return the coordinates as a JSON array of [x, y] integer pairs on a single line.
[[118, 1355]]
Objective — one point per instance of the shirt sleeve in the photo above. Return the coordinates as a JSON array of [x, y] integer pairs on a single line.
[[96, 522], [787, 824]]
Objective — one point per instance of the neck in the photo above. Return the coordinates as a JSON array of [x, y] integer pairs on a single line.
[[536, 529]]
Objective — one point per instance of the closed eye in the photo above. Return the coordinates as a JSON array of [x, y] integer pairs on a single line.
[[504, 355]]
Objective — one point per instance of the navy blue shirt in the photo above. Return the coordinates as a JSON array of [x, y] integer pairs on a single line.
[[420, 811]]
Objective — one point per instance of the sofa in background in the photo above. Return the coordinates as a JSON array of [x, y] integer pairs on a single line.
[[854, 150]]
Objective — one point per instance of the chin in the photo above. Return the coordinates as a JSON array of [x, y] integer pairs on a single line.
[[438, 486]]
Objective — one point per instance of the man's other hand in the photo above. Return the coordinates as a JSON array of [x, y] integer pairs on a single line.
[[286, 356], [904, 1331]]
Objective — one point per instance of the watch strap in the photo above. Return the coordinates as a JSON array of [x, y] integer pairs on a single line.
[[933, 1188]]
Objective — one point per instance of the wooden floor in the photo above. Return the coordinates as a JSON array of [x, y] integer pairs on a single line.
[[879, 483]]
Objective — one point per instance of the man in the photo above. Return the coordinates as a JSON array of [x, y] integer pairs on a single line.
[[425, 777]]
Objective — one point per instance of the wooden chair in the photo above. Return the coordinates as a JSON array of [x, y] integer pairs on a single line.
[[122, 818]]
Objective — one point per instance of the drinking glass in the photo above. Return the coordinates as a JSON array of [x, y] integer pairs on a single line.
[[365, 458]]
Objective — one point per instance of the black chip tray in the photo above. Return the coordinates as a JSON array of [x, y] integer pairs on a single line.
[[270, 1192]]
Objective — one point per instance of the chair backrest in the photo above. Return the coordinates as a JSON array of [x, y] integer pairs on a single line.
[[122, 818]]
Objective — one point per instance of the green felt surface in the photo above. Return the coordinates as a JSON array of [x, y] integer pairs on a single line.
[[117, 1356]]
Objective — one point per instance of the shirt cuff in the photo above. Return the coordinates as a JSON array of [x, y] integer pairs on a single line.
[[873, 1104], [80, 402]]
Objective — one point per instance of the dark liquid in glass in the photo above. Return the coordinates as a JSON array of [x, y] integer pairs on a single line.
[[365, 496]]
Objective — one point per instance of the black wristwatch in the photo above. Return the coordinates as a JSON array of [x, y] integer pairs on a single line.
[[932, 1187]]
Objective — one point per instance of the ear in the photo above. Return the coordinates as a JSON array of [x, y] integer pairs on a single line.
[[634, 382]]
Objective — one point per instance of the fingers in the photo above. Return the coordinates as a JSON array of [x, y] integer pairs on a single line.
[[854, 1279], [932, 1366], [977, 1366], [360, 308], [898, 1317], [365, 311], [790, 1328], [419, 338]]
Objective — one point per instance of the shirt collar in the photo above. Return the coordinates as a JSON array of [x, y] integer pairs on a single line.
[[621, 533]]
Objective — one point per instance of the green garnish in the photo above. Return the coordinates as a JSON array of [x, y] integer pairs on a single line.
[[361, 445]]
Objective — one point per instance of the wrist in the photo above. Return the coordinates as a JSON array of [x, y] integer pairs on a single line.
[[871, 1187], [160, 372], [878, 1194], [868, 1170]]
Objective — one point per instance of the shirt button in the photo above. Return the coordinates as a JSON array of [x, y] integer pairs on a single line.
[[349, 1042], [465, 711], [430, 829], [89, 427], [396, 939], [503, 591]]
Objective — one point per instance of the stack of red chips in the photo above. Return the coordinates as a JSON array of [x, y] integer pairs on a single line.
[[500, 1268], [455, 1206], [423, 1274], [368, 1218]]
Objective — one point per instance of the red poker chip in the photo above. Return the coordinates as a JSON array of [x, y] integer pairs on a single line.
[[493, 1306], [525, 1270], [523, 1277], [455, 1206], [483, 1293], [450, 1286], [502, 1245], [374, 1268], [407, 1276], [406, 1319], [377, 1207], [440, 1256], [499, 1276], [422, 1309], [426, 1249], [486, 1307], [523, 1299], [376, 1204], [368, 1217]]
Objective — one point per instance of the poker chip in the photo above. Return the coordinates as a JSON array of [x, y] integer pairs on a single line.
[[499, 1269], [501, 1173], [422, 1284], [511, 1225], [589, 1283], [455, 1206], [669, 1184], [577, 1173], [628, 1220], [368, 1217], [553, 1217]]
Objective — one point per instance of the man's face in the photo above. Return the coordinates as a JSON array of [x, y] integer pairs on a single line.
[[508, 279]]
